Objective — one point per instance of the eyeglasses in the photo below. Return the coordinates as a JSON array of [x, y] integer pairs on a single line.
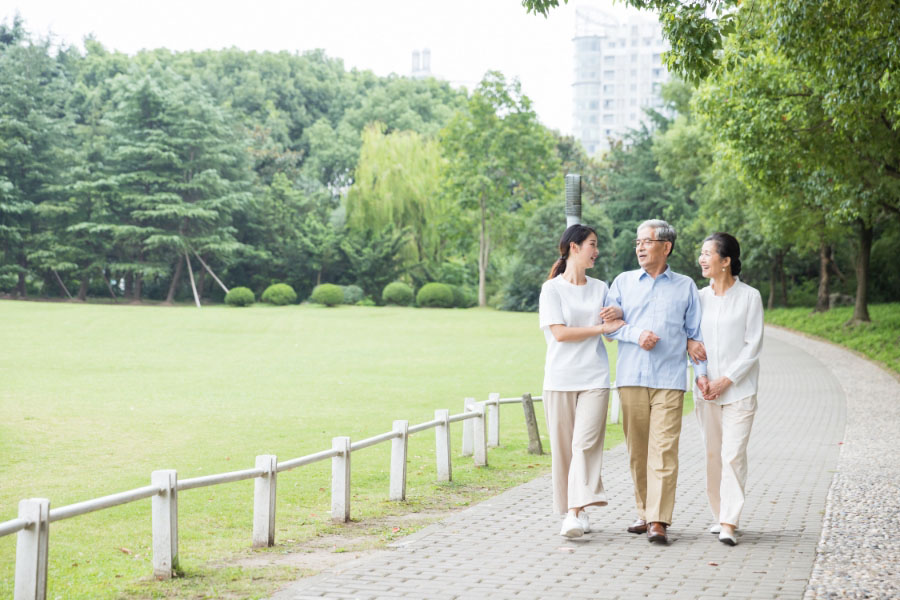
[[639, 243]]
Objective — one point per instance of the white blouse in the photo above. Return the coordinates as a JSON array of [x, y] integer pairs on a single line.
[[732, 328], [573, 366]]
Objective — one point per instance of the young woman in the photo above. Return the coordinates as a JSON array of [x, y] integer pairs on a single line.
[[576, 376], [732, 328]]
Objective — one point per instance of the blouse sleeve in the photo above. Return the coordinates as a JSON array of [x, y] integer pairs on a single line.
[[550, 308], [752, 341]]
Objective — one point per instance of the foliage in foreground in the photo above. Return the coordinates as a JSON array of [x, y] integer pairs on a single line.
[[878, 340]]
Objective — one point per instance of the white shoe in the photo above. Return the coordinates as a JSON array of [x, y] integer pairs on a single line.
[[727, 538], [715, 529], [571, 527], [585, 521]]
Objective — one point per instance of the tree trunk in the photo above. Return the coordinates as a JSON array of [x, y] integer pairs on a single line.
[[21, 291], [201, 280], [83, 288], [187, 261], [129, 284], [783, 275], [482, 257], [773, 283], [824, 260], [61, 284], [179, 266], [138, 288], [861, 308], [112, 292]]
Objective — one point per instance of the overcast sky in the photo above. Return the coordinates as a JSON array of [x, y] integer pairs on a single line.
[[465, 37]]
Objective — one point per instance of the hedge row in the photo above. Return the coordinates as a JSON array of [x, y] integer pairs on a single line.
[[431, 295]]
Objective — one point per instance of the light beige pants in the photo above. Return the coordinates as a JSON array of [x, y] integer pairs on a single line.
[[576, 422], [652, 425], [726, 431]]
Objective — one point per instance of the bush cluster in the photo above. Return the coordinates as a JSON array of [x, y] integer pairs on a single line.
[[398, 293], [435, 295], [352, 294], [328, 294], [240, 296], [279, 294]]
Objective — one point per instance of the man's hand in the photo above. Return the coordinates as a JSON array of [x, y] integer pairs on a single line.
[[717, 387], [611, 313], [609, 326], [703, 385], [647, 340], [696, 350]]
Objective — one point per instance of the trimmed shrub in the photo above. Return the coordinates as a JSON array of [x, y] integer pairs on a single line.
[[240, 296], [367, 301], [397, 293], [435, 295], [352, 294], [464, 297], [279, 294], [328, 294]]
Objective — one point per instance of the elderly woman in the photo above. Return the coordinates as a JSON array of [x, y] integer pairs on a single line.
[[732, 329], [576, 377]]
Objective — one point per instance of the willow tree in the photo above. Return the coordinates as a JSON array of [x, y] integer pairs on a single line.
[[396, 183]]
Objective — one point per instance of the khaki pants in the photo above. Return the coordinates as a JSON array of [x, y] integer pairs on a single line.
[[576, 422], [652, 425], [726, 431]]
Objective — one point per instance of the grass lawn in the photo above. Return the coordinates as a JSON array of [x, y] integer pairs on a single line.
[[95, 397], [879, 340]]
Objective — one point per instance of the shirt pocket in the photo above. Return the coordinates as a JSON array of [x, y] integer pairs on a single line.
[[673, 315]]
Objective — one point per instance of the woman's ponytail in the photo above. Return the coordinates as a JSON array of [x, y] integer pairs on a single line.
[[558, 267]]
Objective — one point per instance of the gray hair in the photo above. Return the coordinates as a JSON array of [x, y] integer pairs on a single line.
[[661, 230]]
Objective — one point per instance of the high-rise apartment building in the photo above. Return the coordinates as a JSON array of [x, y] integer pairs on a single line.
[[421, 64], [618, 73]]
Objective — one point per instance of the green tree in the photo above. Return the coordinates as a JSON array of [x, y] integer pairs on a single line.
[[781, 118], [397, 182], [179, 171], [500, 159], [34, 132]]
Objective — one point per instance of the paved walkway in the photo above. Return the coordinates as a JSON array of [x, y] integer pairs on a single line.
[[509, 547]]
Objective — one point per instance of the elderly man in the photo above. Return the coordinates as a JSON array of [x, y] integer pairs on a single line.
[[662, 312]]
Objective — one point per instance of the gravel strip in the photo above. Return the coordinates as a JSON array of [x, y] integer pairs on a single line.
[[858, 555]]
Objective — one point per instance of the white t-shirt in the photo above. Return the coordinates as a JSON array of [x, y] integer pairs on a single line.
[[732, 328], [573, 366]]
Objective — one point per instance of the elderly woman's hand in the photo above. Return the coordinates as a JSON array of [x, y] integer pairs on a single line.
[[696, 350], [717, 387]]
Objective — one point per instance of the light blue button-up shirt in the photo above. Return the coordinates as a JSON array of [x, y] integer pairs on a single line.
[[669, 306]]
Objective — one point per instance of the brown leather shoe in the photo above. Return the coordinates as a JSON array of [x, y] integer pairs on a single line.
[[639, 526], [656, 532]]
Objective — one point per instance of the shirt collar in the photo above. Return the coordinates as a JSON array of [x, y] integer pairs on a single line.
[[667, 273]]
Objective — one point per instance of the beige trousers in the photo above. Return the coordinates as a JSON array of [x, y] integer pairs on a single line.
[[576, 422], [652, 425], [726, 431]]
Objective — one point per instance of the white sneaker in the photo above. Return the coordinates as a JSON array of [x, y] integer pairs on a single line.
[[571, 527], [585, 521], [715, 529], [727, 539]]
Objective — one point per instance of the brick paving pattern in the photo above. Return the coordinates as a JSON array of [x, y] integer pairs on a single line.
[[509, 547]]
